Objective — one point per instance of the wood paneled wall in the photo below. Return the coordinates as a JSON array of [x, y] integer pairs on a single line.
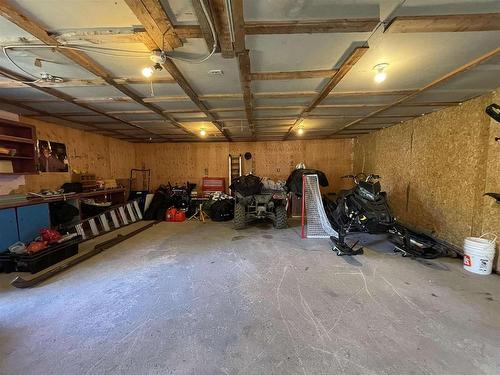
[[181, 162], [436, 169], [93, 153]]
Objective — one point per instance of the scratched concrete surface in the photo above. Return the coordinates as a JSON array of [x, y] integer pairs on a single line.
[[192, 298]]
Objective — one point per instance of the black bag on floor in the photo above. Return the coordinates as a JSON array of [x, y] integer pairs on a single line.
[[159, 204], [222, 210]]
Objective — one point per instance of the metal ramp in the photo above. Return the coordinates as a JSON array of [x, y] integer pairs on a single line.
[[109, 220]]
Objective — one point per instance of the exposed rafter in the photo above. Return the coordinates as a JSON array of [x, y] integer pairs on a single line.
[[436, 82], [169, 64], [204, 24], [158, 26], [243, 60], [297, 74], [310, 27], [346, 66], [84, 82], [221, 22], [66, 98], [444, 23], [79, 58], [188, 31]]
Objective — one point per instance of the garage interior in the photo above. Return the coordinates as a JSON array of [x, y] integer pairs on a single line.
[[153, 116]]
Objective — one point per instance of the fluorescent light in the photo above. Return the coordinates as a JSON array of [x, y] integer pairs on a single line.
[[147, 72]]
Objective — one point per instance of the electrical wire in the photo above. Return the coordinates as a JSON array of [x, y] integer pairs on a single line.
[[88, 49], [214, 36], [4, 49]]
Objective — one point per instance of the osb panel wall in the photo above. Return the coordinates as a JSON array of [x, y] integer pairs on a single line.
[[93, 153], [277, 159], [434, 169], [490, 209], [181, 162]]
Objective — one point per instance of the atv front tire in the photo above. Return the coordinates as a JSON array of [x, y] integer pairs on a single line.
[[239, 220], [280, 221]]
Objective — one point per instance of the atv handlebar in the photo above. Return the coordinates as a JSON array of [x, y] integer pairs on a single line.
[[361, 177]]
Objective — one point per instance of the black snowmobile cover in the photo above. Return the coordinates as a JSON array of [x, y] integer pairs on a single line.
[[294, 181], [247, 185]]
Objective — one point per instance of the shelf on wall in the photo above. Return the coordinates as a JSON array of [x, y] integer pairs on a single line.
[[10, 138], [21, 138], [15, 157]]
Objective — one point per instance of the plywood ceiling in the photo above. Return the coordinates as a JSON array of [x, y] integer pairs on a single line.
[[286, 64]]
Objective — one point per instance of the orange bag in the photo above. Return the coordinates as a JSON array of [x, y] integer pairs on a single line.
[[36, 246]]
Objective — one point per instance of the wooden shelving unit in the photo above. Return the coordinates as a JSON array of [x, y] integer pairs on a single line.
[[21, 138]]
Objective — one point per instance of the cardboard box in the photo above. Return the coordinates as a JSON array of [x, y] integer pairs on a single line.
[[6, 166]]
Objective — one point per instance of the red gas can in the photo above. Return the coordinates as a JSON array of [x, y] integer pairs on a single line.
[[172, 214]]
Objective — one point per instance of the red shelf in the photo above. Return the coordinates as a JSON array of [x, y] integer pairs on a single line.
[[16, 157], [10, 138], [21, 137]]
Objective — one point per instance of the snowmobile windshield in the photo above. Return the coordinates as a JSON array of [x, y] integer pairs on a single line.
[[369, 190]]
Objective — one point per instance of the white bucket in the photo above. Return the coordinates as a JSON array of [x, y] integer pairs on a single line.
[[478, 254]]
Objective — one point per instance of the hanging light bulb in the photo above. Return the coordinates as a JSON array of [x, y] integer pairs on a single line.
[[203, 132], [300, 131], [147, 72], [381, 75]]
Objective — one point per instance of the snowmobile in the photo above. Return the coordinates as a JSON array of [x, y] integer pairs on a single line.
[[363, 209]]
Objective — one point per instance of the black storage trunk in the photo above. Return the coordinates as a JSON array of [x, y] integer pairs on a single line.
[[46, 258], [7, 262]]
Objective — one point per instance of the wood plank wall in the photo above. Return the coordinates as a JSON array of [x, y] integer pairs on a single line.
[[104, 156], [181, 162], [436, 169]]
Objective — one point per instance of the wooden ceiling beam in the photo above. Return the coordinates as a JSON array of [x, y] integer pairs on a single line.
[[168, 64], [346, 66], [204, 24], [244, 69], [221, 23], [444, 23], [243, 60], [371, 93], [311, 27], [298, 74], [188, 31], [156, 22], [186, 87], [67, 98], [436, 82], [79, 58], [85, 82]]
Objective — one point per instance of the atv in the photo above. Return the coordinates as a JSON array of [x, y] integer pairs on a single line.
[[265, 205]]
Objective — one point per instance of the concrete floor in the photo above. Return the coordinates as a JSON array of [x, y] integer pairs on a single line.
[[192, 298]]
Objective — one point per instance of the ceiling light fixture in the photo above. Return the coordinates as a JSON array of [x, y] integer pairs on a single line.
[[158, 58], [300, 131], [203, 132], [381, 75], [147, 72]]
